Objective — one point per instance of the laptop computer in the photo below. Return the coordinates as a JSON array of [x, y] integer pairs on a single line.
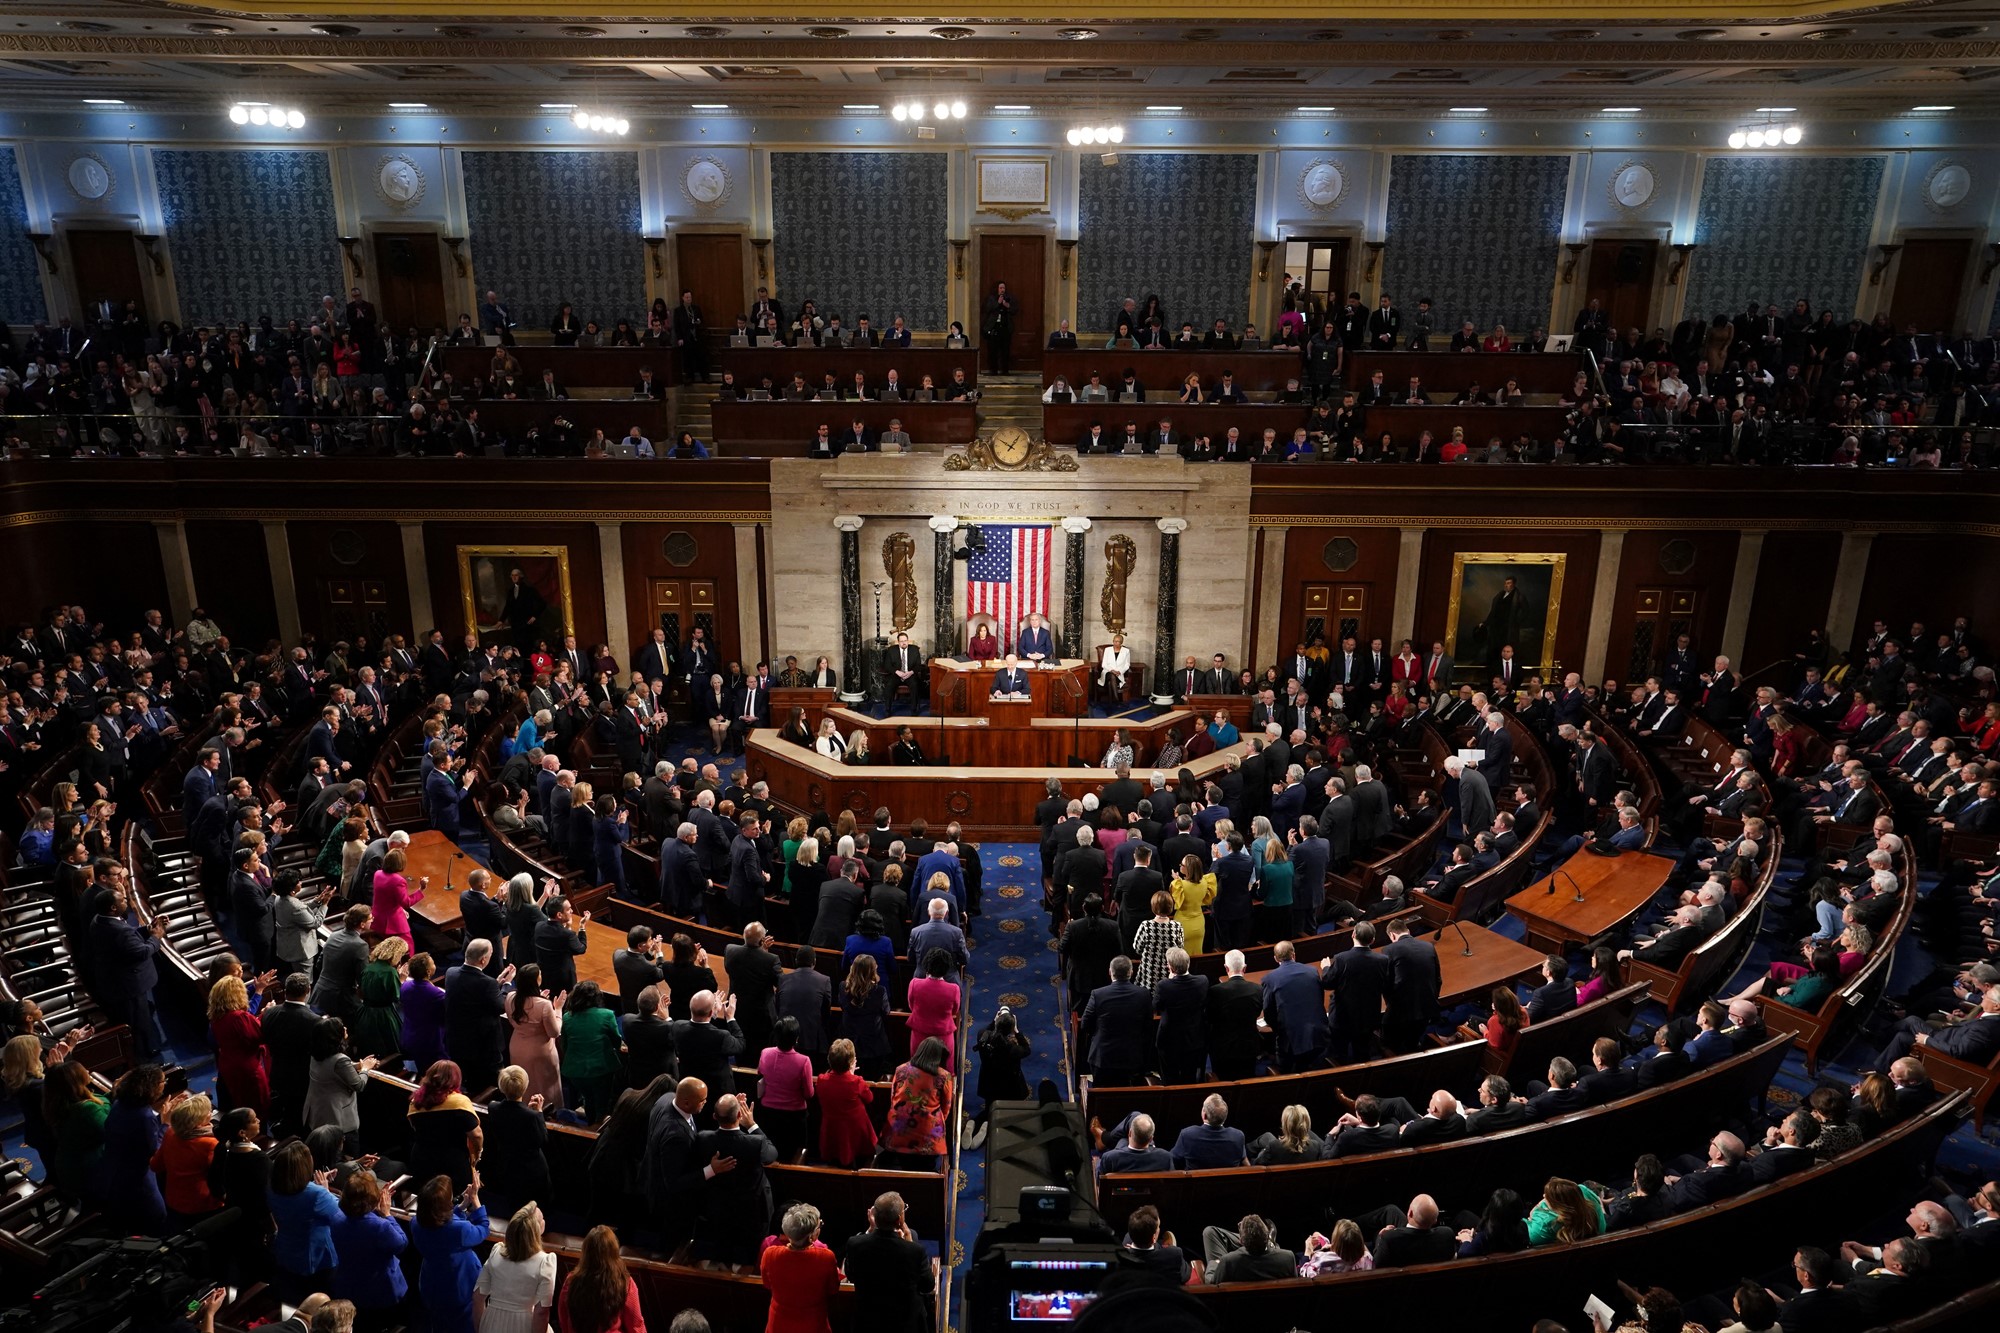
[[1561, 342], [739, 340], [760, 395]]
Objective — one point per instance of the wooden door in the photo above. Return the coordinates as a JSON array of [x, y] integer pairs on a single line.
[[1017, 261], [409, 280], [1660, 617], [711, 266], [1621, 282], [678, 606], [1331, 611], [105, 265], [1930, 280]]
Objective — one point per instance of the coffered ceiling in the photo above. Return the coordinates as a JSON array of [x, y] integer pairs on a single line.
[[1269, 57]]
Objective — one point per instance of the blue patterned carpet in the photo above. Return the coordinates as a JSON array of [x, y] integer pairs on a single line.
[[1013, 963]]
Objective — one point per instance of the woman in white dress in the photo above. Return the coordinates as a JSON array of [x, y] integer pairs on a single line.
[[517, 1286], [829, 742], [140, 387], [1112, 668]]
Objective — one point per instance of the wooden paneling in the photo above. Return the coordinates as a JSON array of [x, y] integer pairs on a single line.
[[1794, 589], [1163, 373], [714, 551], [586, 576], [1930, 274], [1621, 281], [1930, 578], [1537, 372], [1372, 576], [1579, 577], [232, 578], [1697, 596], [105, 266], [1018, 261], [784, 430], [112, 568], [409, 280], [350, 579]]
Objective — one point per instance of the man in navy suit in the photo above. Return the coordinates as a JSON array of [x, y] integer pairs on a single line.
[[127, 967], [1294, 1006], [442, 798], [1498, 745], [1631, 834], [1309, 861], [1722, 1177], [1011, 679], [683, 879], [1414, 983], [1288, 801], [1036, 644], [1116, 1023], [199, 784], [1233, 870], [1557, 995], [1359, 979], [1975, 1040]]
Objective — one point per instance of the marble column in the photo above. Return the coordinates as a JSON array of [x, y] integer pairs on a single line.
[[1264, 645], [1742, 591], [1409, 569], [278, 547], [1603, 601], [749, 595], [617, 616], [417, 575], [1169, 600], [944, 603], [178, 566], [1848, 575], [1075, 527], [852, 670]]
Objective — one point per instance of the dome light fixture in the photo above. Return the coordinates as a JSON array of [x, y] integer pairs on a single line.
[[599, 122], [1767, 134], [1084, 136], [264, 114]]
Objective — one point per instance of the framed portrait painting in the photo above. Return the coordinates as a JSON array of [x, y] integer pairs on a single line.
[[1503, 599], [516, 594]]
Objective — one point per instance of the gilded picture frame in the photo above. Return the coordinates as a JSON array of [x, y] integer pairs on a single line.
[[483, 575], [1529, 621]]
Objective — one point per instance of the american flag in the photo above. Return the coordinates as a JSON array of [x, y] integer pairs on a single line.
[[1009, 579]]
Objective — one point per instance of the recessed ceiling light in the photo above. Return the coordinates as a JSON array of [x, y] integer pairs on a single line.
[[1763, 109], [1315, 108], [558, 106], [1468, 110], [1013, 106], [409, 106], [1614, 110], [1933, 108], [708, 106], [862, 106], [119, 101], [1162, 108]]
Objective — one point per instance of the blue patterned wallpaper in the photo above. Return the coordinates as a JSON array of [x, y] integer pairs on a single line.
[[553, 227], [1778, 228], [1181, 226], [861, 233], [1477, 235], [20, 285], [252, 232]]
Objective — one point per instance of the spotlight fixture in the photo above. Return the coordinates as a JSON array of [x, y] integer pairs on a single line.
[[262, 113], [1766, 134], [1083, 136], [599, 124]]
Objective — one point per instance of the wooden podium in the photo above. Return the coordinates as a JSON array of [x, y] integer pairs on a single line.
[[1047, 696]]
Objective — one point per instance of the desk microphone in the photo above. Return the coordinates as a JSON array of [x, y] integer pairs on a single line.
[[1461, 938], [455, 856], [1573, 881]]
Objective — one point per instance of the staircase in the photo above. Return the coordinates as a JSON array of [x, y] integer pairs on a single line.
[[1010, 400], [693, 410]]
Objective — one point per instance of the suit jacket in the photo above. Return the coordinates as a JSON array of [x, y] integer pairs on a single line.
[[891, 1277], [1475, 802], [1294, 1005], [1557, 997], [1711, 1184], [1976, 1040], [1777, 1163], [807, 995], [1493, 1119], [1088, 946], [337, 991], [1233, 1006], [753, 978], [1116, 1021], [707, 1051], [1414, 980], [1608, 1085], [1499, 760], [1403, 1246], [1360, 980], [473, 1014], [1181, 1004], [1355, 1140], [1374, 818], [1426, 1129]]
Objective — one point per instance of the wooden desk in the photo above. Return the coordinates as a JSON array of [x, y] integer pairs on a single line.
[[431, 853], [1164, 372], [1066, 424], [785, 430], [751, 364], [1009, 735], [575, 367], [993, 803], [613, 416], [1614, 887], [1495, 961], [1537, 372], [1405, 424], [1045, 694]]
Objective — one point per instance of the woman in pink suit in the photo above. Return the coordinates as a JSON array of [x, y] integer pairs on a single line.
[[934, 1004], [393, 898]]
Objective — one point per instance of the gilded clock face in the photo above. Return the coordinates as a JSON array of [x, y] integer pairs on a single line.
[[1011, 447]]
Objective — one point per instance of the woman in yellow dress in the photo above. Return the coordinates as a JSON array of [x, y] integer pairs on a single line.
[[1194, 889]]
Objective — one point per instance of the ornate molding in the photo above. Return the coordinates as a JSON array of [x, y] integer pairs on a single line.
[[1076, 524], [848, 522]]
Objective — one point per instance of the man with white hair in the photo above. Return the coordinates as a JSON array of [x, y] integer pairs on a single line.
[[1475, 798], [1233, 1006], [1974, 1039], [683, 879], [939, 933]]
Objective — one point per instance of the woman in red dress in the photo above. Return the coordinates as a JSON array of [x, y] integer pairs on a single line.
[[1787, 746], [846, 1135], [1406, 666], [801, 1274], [239, 1046], [983, 647]]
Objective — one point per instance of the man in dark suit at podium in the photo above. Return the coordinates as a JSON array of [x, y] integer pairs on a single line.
[[1036, 645], [1011, 682]]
